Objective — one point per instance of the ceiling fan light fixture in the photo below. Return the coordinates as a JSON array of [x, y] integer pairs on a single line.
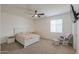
[[36, 15]]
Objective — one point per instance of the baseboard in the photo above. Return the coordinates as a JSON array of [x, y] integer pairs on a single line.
[[46, 38]]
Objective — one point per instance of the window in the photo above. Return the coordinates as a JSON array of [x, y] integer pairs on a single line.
[[56, 25]]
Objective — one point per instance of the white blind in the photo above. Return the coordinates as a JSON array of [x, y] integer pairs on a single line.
[[56, 25]]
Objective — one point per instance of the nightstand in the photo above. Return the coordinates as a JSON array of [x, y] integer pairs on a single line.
[[11, 39]]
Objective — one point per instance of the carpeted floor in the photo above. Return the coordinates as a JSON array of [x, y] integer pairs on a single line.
[[44, 46]]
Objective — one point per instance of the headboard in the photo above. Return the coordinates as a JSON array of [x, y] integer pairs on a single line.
[[18, 30]]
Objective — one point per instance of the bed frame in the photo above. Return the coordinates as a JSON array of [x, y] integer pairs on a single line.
[[26, 42]]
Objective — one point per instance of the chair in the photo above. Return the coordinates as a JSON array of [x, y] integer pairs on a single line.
[[66, 38]]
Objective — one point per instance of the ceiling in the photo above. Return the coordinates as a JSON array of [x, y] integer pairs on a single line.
[[48, 9]]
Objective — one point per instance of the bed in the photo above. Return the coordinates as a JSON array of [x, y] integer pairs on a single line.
[[27, 39]]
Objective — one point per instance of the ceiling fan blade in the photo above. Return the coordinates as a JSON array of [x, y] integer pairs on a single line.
[[77, 14], [41, 14], [38, 15], [73, 9]]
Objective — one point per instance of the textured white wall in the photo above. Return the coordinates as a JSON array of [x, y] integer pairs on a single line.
[[9, 22], [0, 23], [78, 36], [74, 35], [74, 31], [0, 20], [42, 26], [14, 18]]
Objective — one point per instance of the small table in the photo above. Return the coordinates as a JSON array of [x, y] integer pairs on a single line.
[[11, 39]]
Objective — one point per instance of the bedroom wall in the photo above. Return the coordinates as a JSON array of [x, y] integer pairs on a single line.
[[74, 31], [42, 26], [77, 32], [0, 27], [14, 18], [77, 37]]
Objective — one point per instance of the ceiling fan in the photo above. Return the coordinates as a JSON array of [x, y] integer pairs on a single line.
[[76, 15], [37, 14]]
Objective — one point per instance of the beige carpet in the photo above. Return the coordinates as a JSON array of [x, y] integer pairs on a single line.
[[44, 46]]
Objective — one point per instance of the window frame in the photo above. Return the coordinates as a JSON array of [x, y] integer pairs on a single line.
[[56, 26]]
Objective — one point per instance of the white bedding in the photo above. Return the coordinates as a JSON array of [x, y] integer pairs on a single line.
[[27, 39]]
